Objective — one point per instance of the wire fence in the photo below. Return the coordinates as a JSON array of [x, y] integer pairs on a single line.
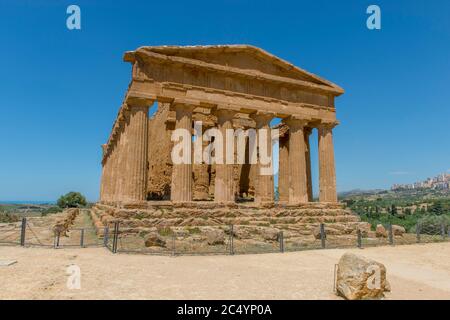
[[237, 239], [215, 239]]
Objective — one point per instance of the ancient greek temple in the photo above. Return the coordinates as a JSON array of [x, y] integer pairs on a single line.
[[224, 86]]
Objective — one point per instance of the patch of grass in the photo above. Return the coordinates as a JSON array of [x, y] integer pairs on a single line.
[[165, 232], [139, 216], [8, 218], [51, 210], [194, 230]]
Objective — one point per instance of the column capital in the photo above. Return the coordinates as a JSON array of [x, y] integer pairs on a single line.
[[328, 124], [179, 106], [224, 114], [134, 102], [262, 118], [295, 122]]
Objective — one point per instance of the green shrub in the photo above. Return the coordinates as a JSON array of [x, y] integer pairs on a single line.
[[72, 200], [432, 224]]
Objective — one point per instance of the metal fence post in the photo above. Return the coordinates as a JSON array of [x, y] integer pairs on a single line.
[[82, 238], [418, 227], [105, 236], [173, 244], [443, 230], [359, 241], [391, 235], [57, 239], [281, 239], [323, 235], [23, 229], [116, 235], [231, 240]]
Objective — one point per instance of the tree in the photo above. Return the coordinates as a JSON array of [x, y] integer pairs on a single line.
[[71, 200], [393, 210]]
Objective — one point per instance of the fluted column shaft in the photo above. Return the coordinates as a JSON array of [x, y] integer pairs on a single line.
[[103, 177], [224, 180], [307, 132], [181, 188], [115, 173], [264, 172], [298, 184], [202, 176], [327, 173], [122, 162], [283, 169], [137, 143]]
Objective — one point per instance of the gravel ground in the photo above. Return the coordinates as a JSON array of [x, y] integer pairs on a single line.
[[414, 271]]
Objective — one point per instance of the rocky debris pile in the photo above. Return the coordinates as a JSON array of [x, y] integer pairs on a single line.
[[62, 225], [381, 231], [361, 278], [154, 240], [344, 229]]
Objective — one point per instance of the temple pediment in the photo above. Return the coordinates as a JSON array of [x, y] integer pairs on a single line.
[[239, 59]]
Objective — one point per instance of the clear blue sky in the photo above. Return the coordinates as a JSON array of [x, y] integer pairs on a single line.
[[60, 89]]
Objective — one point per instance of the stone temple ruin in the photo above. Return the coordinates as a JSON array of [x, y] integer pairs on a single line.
[[224, 86]]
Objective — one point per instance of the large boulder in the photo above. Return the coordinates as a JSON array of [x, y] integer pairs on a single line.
[[398, 230], [380, 231], [361, 278], [154, 240], [270, 234]]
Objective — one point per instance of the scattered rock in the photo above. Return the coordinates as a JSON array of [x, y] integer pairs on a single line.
[[361, 278], [155, 240], [215, 237], [316, 232], [241, 232], [380, 231], [7, 263], [398, 230], [270, 234]]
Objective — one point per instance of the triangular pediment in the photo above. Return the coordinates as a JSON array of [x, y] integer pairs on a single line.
[[243, 57]]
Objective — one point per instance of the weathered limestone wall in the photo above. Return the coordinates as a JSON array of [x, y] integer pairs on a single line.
[[160, 162]]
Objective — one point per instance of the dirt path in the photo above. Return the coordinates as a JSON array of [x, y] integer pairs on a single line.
[[414, 271]]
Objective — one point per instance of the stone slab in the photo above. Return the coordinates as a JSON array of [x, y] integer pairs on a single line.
[[7, 263]]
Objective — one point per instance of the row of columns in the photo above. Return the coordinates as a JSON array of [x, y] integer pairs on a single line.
[[295, 182], [124, 173]]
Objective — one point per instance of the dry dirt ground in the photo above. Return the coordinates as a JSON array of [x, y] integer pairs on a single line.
[[414, 271]]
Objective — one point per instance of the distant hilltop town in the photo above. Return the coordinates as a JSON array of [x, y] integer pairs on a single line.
[[440, 182]]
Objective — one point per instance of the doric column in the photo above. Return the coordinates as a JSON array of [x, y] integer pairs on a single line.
[[224, 180], [264, 172], [307, 132], [113, 168], [103, 177], [201, 175], [122, 159], [327, 173], [283, 168], [181, 188], [298, 184], [109, 164], [135, 189]]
